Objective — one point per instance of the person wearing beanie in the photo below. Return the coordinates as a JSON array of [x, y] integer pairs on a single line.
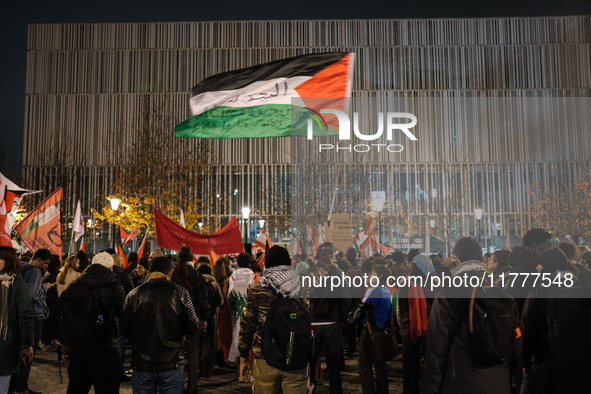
[[98, 363], [278, 278]]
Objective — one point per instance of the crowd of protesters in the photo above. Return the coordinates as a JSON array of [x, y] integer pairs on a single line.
[[181, 316]]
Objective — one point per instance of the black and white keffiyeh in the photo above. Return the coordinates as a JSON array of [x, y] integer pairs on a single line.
[[283, 279]]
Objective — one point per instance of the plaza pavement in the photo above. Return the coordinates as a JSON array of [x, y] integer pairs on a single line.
[[45, 377]]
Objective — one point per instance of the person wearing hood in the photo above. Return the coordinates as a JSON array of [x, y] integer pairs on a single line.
[[98, 364], [414, 305], [448, 365], [239, 282], [278, 278], [32, 272]]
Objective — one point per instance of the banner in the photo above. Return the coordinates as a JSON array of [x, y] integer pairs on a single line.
[[171, 235], [42, 227]]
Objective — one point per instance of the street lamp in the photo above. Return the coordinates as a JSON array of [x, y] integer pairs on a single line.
[[115, 203], [478, 216], [114, 206], [245, 215], [200, 224]]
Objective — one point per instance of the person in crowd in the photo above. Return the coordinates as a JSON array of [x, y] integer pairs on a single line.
[[239, 282], [414, 306], [538, 361], [377, 316], [329, 311], [208, 340], [498, 263], [352, 330], [256, 268], [32, 273], [302, 266], [526, 259], [449, 367], [572, 253], [139, 275], [68, 274], [94, 357], [123, 276], [586, 259], [221, 272], [53, 269], [132, 261], [352, 256], [157, 354], [16, 318], [279, 278], [83, 261], [187, 277]]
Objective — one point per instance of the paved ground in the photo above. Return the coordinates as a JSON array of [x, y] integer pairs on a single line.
[[46, 377]]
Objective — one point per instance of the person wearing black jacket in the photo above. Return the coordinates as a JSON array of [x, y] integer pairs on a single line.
[[166, 308], [186, 276], [97, 365], [449, 368]]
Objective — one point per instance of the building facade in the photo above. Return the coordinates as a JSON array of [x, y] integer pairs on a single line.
[[92, 89]]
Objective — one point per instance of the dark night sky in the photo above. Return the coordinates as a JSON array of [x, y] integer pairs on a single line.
[[15, 15]]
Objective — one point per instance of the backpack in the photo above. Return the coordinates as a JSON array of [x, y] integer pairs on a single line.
[[569, 319], [493, 326], [82, 324], [286, 342]]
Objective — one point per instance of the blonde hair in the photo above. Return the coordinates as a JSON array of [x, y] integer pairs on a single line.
[[71, 263], [118, 260]]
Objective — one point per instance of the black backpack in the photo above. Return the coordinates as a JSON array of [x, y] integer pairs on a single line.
[[287, 335], [493, 326], [82, 324], [569, 319]]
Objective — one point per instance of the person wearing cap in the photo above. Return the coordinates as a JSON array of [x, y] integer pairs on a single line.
[[99, 365], [278, 278]]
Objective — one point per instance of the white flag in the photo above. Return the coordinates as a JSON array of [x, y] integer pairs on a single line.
[[78, 227], [183, 219]]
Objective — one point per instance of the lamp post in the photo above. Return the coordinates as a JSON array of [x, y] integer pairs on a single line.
[[115, 206], [378, 204], [245, 215], [200, 224], [478, 216]]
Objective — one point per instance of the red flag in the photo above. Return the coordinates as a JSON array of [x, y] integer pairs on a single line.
[[261, 241], [83, 246], [299, 248], [140, 252], [371, 234], [124, 234], [42, 227], [385, 249], [132, 235], [213, 257], [121, 253], [5, 239], [171, 235], [311, 235]]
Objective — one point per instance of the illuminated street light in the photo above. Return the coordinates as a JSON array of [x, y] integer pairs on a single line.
[[245, 215], [115, 204]]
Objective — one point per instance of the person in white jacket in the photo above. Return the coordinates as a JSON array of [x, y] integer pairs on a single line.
[[68, 274], [239, 282]]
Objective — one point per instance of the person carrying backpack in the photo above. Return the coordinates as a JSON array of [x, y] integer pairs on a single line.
[[88, 312], [473, 332], [280, 325]]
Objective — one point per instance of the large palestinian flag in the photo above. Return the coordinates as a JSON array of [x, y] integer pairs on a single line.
[[264, 100]]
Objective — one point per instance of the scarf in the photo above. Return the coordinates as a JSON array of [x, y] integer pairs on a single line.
[[417, 306], [283, 279], [467, 266], [5, 285]]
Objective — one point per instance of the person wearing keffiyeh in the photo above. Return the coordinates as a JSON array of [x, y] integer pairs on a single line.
[[16, 317], [278, 278]]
